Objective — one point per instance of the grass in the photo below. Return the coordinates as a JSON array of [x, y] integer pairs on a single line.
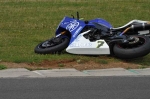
[[61, 65], [25, 23], [103, 61], [2, 67]]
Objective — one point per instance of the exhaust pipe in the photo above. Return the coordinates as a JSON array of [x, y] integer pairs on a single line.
[[140, 27]]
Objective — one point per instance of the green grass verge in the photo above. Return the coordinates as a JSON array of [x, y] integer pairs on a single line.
[[2, 67], [25, 23]]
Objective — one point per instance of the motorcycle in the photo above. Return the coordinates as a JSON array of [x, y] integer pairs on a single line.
[[98, 37]]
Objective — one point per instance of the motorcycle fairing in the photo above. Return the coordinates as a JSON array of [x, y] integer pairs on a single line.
[[78, 43], [81, 45], [74, 26], [101, 21], [71, 24]]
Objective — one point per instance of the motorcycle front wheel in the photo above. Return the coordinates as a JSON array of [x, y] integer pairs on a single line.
[[139, 47], [52, 46]]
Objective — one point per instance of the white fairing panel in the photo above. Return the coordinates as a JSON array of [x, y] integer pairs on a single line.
[[81, 45]]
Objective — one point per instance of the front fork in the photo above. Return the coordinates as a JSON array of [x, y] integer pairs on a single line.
[[64, 32]]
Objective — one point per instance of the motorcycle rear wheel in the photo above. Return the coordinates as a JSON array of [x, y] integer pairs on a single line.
[[137, 48], [51, 46]]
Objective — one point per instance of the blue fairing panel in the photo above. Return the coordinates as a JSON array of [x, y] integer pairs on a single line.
[[74, 26], [70, 24], [101, 21]]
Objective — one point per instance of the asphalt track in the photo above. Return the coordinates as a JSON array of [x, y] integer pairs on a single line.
[[113, 83], [104, 87]]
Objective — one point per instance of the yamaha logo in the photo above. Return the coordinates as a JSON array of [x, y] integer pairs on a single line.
[[72, 26]]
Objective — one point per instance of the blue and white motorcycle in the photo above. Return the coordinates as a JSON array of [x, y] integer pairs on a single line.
[[98, 37]]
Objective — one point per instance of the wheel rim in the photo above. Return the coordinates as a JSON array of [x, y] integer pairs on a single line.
[[47, 44], [137, 42], [51, 42]]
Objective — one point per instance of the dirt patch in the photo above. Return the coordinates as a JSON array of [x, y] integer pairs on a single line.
[[70, 64]]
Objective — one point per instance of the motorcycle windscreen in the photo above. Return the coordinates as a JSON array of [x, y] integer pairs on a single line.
[[81, 45]]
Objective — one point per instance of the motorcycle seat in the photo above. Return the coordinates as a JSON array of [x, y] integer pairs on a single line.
[[133, 22]]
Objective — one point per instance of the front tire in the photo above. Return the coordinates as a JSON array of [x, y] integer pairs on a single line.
[[51, 46], [138, 48]]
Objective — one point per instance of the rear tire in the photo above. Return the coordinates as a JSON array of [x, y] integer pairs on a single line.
[[139, 48], [49, 47]]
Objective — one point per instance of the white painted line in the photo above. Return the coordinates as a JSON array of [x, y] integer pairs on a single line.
[[38, 73]]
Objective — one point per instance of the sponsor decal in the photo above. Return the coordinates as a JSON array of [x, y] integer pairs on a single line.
[[81, 45], [77, 31], [72, 26]]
